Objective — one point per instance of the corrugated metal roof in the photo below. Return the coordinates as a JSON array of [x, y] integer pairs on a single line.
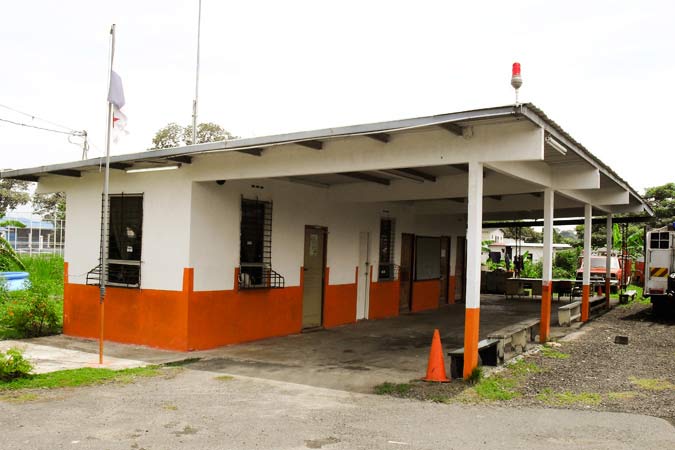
[[527, 110]]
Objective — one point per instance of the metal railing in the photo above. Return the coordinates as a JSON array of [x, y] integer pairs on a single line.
[[259, 276]]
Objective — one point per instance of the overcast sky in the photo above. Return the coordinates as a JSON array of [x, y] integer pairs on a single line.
[[604, 70]]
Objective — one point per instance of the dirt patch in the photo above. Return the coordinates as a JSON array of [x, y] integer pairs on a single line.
[[590, 372]]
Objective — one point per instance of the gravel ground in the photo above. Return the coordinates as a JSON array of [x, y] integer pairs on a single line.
[[587, 370]]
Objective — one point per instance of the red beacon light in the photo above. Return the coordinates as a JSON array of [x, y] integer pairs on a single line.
[[516, 79]]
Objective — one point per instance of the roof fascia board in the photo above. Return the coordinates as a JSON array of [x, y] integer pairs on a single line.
[[276, 140]]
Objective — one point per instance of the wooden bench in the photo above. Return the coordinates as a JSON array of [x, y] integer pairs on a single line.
[[515, 337], [487, 356], [569, 313], [627, 296]]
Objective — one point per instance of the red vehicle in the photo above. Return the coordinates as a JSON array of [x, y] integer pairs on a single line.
[[599, 269]]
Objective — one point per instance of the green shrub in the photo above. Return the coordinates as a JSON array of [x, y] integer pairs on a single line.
[[13, 365], [565, 263], [32, 312], [46, 271]]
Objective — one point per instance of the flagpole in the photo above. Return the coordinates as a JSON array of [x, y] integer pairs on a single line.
[[106, 206], [194, 103]]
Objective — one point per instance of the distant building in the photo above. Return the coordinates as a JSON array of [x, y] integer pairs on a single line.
[[36, 236], [493, 234]]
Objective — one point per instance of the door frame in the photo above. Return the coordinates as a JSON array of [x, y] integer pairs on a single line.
[[324, 231], [445, 274], [409, 288], [363, 280]]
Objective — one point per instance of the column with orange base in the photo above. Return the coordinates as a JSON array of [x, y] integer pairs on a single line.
[[473, 262], [608, 272], [547, 269], [586, 288]]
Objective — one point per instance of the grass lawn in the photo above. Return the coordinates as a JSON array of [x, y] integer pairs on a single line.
[[79, 377]]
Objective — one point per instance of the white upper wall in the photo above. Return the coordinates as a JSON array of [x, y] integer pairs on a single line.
[[166, 223]]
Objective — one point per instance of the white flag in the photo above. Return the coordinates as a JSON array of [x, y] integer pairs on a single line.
[[116, 92], [116, 97]]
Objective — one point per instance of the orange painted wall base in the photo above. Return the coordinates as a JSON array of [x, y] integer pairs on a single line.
[[452, 287], [384, 299], [425, 295], [339, 303]]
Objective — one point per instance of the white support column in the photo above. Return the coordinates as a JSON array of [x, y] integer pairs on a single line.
[[608, 264], [452, 282], [547, 273], [586, 287], [473, 263]]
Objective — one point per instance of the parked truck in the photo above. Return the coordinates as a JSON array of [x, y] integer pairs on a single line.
[[599, 270], [659, 269]]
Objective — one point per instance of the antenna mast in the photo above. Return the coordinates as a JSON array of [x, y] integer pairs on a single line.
[[194, 102]]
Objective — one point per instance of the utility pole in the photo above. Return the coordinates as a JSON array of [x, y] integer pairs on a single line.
[[194, 102]]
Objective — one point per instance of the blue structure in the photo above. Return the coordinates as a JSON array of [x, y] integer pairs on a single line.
[[14, 281]]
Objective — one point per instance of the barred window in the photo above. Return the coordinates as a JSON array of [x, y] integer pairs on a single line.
[[387, 235], [125, 240]]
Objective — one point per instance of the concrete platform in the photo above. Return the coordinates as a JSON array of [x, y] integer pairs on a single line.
[[351, 357]]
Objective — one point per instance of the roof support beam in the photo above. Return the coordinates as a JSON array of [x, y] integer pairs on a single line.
[[184, 159], [33, 178], [313, 144], [298, 180], [120, 166], [495, 197], [381, 137], [461, 167], [252, 151], [417, 173], [67, 173], [453, 128], [366, 177]]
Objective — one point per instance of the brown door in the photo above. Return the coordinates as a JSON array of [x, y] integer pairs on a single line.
[[460, 268], [406, 271], [314, 271], [445, 269]]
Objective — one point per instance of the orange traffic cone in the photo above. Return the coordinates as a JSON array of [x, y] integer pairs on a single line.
[[436, 366]]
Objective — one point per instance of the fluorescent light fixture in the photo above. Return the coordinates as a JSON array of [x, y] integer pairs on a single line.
[[556, 145], [153, 169]]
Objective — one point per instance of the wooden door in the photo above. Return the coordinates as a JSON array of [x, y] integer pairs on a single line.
[[314, 270], [445, 269], [406, 271]]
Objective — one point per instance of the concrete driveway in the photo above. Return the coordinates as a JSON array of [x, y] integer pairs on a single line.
[[197, 410], [352, 357]]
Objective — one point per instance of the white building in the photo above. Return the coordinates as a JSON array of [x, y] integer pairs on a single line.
[[259, 237]]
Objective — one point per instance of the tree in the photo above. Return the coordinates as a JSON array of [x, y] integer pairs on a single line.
[[50, 206], [662, 201], [527, 234], [173, 135], [8, 257], [12, 194]]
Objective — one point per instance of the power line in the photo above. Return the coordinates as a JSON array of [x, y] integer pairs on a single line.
[[34, 117], [69, 133]]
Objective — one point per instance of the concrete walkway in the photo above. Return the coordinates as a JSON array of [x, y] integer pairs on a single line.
[[50, 358], [352, 357]]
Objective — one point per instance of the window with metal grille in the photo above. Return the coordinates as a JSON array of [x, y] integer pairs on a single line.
[[387, 235], [255, 246], [125, 240]]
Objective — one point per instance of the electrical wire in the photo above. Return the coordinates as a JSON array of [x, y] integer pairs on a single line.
[[69, 133], [34, 117]]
